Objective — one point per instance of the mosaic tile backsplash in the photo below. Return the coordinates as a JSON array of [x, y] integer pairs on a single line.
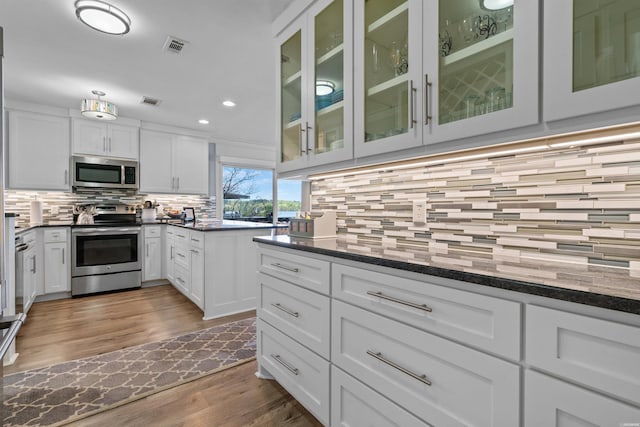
[[578, 205], [18, 201]]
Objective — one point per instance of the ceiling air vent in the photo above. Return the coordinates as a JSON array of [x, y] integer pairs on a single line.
[[174, 44], [150, 101]]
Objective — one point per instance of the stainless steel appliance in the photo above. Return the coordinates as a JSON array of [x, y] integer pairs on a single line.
[[104, 172], [107, 255]]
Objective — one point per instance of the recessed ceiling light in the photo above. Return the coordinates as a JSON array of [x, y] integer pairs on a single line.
[[229, 103], [102, 16], [203, 121]]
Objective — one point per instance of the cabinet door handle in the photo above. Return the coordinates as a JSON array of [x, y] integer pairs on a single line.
[[147, 250], [195, 251], [177, 183], [284, 267], [412, 101], [171, 252], [33, 270], [289, 367], [109, 144], [62, 256], [104, 143], [377, 355], [309, 150], [66, 176], [427, 88], [302, 130], [181, 256], [286, 310], [423, 307]]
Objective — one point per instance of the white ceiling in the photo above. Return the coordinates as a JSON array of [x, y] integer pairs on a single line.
[[54, 59]]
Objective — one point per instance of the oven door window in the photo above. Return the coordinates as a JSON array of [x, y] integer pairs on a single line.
[[102, 174], [106, 249]]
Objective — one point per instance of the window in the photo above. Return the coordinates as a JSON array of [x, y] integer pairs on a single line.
[[248, 194]]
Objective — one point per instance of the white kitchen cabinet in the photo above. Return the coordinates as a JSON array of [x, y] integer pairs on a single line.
[[31, 274], [597, 353], [172, 163], [196, 288], [480, 68], [56, 261], [38, 152], [92, 137], [152, 268], [591, 57], [552, 403], [300, 371], [441, 382], [354, 404], [169, 255], [315, 53]]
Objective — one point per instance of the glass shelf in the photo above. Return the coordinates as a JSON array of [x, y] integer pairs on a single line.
[[395, 13], [334, 53], [295, 78], [478, 47], [377, 89]]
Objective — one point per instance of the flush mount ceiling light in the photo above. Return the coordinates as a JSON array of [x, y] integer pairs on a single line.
[[203, 121], [99, 109], [229, 103], [496, 4], [324, 87], [102, 16]]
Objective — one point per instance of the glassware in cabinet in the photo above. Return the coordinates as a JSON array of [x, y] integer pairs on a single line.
[[291, 98]]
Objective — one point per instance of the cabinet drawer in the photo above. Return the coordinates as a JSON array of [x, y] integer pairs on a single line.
[[152, 231], [354, 404], [182, 256], [182, 279], [439, 381], [181, 235], [303, 315], [55, 235], [303, 373], [196, 239], [489, 323], [303, 271], [601, 354], [552, 403]]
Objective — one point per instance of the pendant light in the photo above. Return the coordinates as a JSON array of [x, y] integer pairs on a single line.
[[102, 16], [98, 108]]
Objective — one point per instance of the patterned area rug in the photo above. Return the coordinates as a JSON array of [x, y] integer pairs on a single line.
[[59, 394]]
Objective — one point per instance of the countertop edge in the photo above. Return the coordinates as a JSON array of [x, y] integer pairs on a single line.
[[610, 302]]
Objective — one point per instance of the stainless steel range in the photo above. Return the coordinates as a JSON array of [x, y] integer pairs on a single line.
[[106, 255]]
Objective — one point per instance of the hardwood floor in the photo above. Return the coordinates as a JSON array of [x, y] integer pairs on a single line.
[[57, 331]]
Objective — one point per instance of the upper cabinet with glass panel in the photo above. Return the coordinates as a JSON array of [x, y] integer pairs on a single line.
[[480, 67], [594, 62], [316, 87]]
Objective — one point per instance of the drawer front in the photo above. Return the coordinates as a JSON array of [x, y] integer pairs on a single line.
[[55, 235], [182, 256], [181, 235], [489, 323], [182, 279], [152, 231], [300, 270], [353, 404], [443, 383], [303, 373], [553, 403], [601, 354], [196, 239], [303, 315]]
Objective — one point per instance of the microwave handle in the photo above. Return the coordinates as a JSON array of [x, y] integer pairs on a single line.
[[122, 172]]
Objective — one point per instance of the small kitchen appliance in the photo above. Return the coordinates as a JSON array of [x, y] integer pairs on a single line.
[[104, 172]]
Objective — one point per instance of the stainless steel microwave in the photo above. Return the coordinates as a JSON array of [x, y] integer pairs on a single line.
[[104, 172]]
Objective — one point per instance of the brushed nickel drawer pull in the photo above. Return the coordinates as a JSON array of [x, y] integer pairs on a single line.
[[378, 355], [399, 301], [284, 267], [278, 359], [286, 310]]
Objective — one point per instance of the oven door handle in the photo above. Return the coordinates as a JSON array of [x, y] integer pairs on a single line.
[[105, 230]]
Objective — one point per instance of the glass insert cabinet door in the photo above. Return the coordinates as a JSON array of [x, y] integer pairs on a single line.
[[480, 64], [291, 98], [387, 52], [599, 68]]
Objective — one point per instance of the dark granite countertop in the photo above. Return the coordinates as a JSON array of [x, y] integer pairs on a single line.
[[607, 287], [225, 225], [20, 230]]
